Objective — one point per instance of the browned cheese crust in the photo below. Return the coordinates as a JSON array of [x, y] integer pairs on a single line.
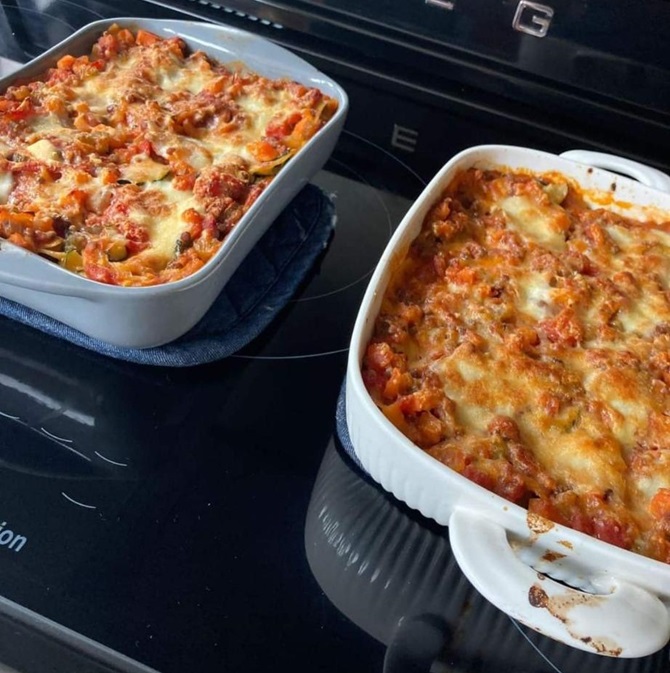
[[523, 341], [131, 165]]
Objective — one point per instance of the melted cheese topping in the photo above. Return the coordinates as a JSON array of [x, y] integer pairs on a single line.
[[535, 221], [6, 184], [131, 165], [524, 341]]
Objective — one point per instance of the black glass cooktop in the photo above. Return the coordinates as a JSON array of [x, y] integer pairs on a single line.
[[205, 519]]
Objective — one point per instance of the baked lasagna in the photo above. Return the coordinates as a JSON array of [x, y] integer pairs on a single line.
[[524, 342], [131, 165]]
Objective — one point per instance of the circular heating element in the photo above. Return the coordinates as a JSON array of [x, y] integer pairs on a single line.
[[367, 212]]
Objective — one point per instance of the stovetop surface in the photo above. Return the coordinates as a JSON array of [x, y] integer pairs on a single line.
[[206, 518]]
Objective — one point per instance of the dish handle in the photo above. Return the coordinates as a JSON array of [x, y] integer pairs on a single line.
[[647, 175], [622, 621]]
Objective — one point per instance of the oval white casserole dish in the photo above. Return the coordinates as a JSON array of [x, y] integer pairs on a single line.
[[142, 317], [572, 587]]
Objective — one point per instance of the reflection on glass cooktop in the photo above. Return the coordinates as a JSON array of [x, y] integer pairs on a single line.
[[393, 574], [29, 28], [26, 33]]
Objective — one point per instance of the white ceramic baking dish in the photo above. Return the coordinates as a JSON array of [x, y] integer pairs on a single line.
[[565, 584], [141, 317]]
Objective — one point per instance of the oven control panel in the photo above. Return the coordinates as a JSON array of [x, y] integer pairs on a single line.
[[532, 18], [616, 50]]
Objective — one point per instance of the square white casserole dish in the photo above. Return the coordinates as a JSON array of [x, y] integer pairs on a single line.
[[602, 598], [142, 317]]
